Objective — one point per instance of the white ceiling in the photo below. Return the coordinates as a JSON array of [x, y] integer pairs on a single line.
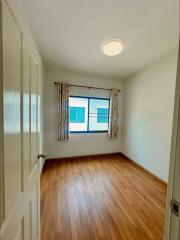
[[69, 33]]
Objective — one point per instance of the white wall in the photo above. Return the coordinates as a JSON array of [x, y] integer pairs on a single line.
[[79, 144], [148, 115]]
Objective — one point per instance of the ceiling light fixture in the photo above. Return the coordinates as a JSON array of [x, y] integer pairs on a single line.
[[113, 47]]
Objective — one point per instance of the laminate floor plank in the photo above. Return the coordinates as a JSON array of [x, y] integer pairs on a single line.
[[101, 198]]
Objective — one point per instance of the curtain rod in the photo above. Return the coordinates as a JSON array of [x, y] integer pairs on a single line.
[[73, 85]]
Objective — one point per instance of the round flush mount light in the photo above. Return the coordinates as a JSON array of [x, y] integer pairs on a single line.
[[113, 47]]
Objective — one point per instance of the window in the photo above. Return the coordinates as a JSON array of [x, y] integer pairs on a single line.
[[88, 114], [78, 114], [94, 105]]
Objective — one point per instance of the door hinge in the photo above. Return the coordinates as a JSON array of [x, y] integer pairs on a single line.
[[175, 207]]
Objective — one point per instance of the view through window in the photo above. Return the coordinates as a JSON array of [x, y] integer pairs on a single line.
[[88, 114]]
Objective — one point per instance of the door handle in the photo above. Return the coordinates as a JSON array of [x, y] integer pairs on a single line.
[[42, 155]]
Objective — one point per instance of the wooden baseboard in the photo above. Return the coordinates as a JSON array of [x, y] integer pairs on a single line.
[[120, 154], [86, 156], [144, 169]]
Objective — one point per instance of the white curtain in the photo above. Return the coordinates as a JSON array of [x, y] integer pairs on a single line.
[[63, 111], [113, 115]]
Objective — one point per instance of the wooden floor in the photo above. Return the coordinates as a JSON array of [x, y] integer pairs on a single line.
[[104, 198]]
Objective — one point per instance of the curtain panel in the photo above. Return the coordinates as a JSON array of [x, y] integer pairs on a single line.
[[63, 111], [113, 115]]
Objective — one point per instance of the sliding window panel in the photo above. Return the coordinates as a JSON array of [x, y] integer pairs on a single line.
[[98, 114], [78, 114]]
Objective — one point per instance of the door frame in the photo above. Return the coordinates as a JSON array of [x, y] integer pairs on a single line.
[[1, 127], [173, 157]]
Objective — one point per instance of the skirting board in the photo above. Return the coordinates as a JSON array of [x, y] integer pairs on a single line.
[[120, 154], [143, 168], [86, 156]]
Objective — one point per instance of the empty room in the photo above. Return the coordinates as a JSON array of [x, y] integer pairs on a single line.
[[89, 120]]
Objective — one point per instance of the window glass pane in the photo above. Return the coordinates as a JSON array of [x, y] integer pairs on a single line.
[[78, 114], [98, 114]]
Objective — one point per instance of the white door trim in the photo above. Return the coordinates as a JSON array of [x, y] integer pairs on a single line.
[[173, 159], [1, 127]]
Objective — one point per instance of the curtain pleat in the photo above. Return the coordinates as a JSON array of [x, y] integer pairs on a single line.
[[113, 115], [63, 111]]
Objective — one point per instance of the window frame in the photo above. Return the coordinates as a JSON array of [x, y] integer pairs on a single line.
[[90, 131]]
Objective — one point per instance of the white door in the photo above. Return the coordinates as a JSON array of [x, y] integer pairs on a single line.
[[172, 228], [21, 130], [175, 205]]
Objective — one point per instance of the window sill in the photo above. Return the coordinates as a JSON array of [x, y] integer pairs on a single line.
[[88, 132]]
